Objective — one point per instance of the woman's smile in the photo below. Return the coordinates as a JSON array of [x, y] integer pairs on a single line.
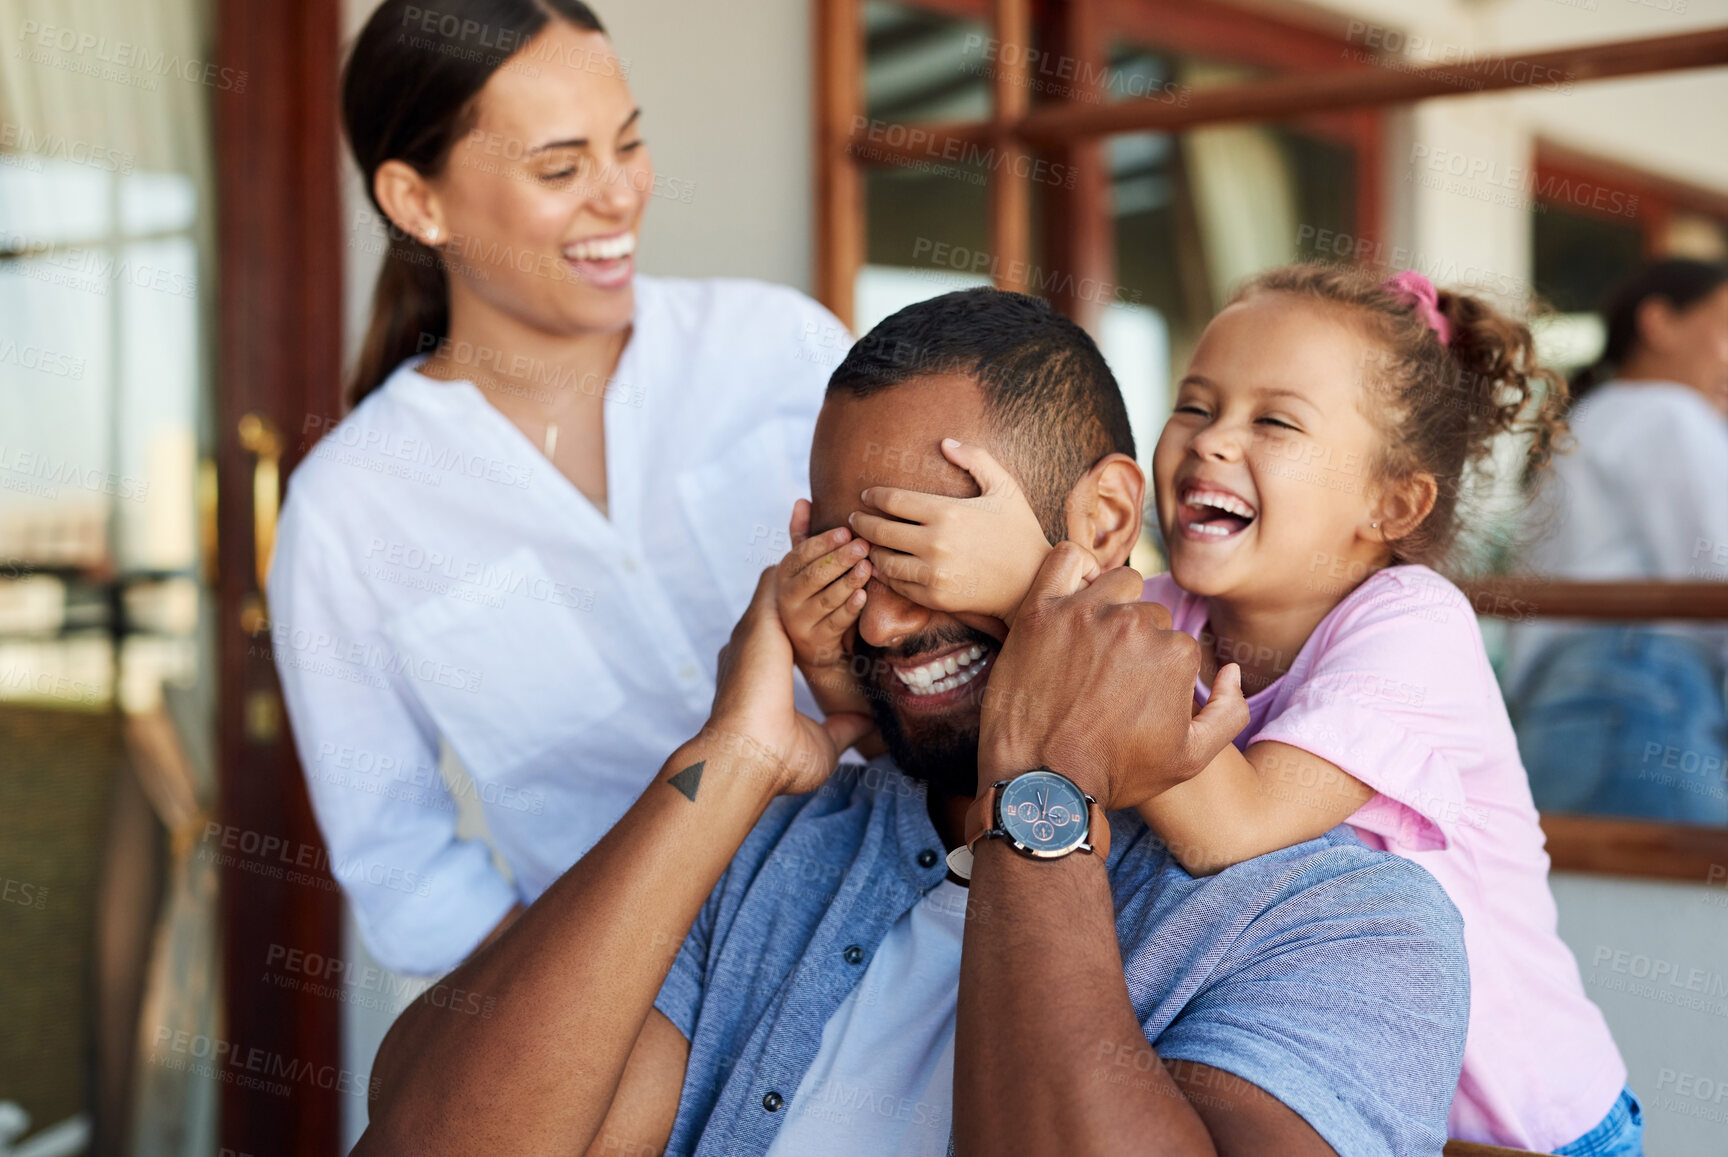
[[605, 262]]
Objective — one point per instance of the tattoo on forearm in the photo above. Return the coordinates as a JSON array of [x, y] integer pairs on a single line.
[[688, 780]]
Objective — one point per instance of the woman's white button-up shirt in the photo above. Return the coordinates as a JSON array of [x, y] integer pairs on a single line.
[[435, 576]]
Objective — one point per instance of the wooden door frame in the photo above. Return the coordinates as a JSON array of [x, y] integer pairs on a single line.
[[278, 354]]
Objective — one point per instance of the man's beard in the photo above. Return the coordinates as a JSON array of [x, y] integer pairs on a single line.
[[941, 752]]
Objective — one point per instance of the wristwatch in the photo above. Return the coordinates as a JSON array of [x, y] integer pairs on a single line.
[[1041, 813]]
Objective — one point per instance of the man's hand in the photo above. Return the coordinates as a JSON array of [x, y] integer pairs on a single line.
[[753, 710], [1093, 683]]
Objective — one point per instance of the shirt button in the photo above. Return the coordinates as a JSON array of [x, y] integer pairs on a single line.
[[629, 565], [773, 1101], [927, 858], [853, 954], [689, 671]]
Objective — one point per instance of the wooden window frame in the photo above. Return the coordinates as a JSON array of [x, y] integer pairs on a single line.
[[1310, 86], [1075, 216], [1305, 91], [1561, 167]]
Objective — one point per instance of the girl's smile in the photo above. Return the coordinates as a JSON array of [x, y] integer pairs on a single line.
[[1260, 469], [1208, 512]]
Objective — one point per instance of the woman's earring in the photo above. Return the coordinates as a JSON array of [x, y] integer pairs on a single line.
[[432, 235], [1375, 525]]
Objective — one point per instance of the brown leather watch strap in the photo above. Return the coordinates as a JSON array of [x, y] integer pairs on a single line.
[[982, 813], [979, 815], [1098, 831]]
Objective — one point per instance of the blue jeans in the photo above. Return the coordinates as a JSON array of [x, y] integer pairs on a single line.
[[1627, 721], [1621, 1133]]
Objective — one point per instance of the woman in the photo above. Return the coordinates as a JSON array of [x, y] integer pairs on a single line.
[[1630, 720], [554, 493]]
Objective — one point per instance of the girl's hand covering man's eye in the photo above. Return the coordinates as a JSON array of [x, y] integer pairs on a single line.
[[957, 554], [821, 593]]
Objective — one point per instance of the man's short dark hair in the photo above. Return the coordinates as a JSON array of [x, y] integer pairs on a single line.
[[1047, 390]]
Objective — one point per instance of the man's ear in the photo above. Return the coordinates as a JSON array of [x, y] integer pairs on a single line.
[[410, 202], [1103, 509]]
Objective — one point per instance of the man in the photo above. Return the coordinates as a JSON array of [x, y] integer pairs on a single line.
[[737, 968]]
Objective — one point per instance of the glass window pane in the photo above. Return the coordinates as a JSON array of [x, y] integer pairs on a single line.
[[884, 289], [930, 213], [1579, 259], [154, 476], [1324, 173], [75, 672], [925, 66], [938, 219], [1135, 340], [156, 203], [48, 202], [55, 367]]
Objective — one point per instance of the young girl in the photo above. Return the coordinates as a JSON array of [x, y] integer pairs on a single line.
[[1314, 473]]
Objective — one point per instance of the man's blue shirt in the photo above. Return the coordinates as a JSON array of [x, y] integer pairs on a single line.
[[1328, 974]]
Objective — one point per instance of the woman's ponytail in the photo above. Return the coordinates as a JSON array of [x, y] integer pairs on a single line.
[[408, 94], [410, 313]]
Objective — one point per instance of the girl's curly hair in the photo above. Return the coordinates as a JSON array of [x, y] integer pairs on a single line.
[[1440, 407]]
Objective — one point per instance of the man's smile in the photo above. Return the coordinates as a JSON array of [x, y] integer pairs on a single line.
[[946, 672], [935, 681]]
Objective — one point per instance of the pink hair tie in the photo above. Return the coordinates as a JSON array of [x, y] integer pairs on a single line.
[[1419, 292]]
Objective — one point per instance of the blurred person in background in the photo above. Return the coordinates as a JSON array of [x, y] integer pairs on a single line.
[[552, 498], [1630, 719]]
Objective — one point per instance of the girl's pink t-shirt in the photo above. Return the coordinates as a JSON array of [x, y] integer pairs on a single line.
[[1394, 687]]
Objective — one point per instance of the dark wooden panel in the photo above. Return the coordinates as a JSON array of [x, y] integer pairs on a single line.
[[1510, 598], [1645, 848], [278, 355], [1079, 223], [1477, 1149], [1397, 82], [838, 77], [1010, 193]]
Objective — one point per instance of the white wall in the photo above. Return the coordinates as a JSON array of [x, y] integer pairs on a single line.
[[1654, 957], [725, 96], [363, 248]]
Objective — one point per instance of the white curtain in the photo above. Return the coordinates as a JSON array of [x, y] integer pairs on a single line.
[[123, 91]]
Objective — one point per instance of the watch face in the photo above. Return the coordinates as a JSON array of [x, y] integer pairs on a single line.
[[1044, 812]]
